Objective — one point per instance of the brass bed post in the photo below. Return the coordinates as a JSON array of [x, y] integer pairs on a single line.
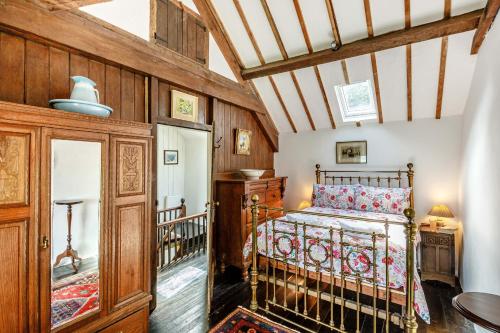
[[253, 272], [318, 174], [410, 321], [410, 184]]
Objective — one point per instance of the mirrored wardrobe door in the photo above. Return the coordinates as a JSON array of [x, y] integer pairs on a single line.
[[74, 166]]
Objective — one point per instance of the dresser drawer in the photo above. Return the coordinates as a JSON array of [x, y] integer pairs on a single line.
[[135, 323], [273, 195], [433, 239], [274, 184]]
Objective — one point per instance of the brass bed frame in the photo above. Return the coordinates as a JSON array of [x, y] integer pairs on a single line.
[[293, 275]]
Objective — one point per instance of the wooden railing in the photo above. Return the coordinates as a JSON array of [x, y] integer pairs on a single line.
[[179, 237]]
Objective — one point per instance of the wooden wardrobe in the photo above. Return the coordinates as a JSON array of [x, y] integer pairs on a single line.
[[26, 213]]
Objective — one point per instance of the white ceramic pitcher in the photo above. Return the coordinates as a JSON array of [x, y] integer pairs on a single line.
[[84, 90]]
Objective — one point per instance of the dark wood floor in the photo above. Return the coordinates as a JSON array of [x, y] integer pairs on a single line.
[[182, 306]]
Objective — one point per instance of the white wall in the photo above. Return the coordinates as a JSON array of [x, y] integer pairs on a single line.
[[432, 146], [129, 15], [170, 177], [188, 179], [480, 177], [76, 174]]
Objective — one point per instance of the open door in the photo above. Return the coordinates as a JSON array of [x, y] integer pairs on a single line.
[[211, 206]]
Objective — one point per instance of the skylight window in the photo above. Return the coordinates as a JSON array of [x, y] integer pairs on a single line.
[[356, 101]]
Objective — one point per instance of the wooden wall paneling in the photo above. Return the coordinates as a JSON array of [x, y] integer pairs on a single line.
[[78, 65], [18, 229], [201, 36], [113, 89], [140, 98], [130, 160], [37, 74], [13, 302], [12, 51], [163, 100], [97, 73], [190, 37], [127, 95], [59, 74]]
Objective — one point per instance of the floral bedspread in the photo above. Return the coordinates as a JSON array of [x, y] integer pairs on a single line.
[[356, 260]]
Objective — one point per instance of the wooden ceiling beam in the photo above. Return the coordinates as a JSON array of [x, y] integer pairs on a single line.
[[445, 27], [216, 28], [489, 14], [307, 40], [409, 96], [54, 5], [260, 56], [373, 58], [442, 63], [333, 22]]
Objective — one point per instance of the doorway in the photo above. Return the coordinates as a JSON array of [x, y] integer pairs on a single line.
[[183, 189]]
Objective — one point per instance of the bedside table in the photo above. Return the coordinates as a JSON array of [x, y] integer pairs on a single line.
[[437, 252]]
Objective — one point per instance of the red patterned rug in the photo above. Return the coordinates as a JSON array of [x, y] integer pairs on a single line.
[[74, 296], [243, 320]]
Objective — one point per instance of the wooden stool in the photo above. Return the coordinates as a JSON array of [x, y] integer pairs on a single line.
[[69, 252], [480, 308]]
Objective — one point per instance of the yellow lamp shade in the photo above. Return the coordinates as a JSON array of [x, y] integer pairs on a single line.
[[441, 211]]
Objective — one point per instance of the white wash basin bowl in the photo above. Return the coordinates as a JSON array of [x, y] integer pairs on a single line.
[[252, 174]]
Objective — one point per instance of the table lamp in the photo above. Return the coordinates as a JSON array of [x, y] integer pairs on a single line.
[[440, 211]]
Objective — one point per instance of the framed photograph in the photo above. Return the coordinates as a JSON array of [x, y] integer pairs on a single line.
[[170, 157], [184, 106], [243, 140], [352, 152]]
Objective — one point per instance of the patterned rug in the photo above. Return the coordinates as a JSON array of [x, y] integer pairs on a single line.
[[243, 320], [74, 296]]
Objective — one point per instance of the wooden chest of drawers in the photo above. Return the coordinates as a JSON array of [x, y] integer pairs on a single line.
[[438, 255], [234, 219]]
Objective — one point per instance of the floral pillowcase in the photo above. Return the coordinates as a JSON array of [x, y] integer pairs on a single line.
[[381, 199], [333, 196]]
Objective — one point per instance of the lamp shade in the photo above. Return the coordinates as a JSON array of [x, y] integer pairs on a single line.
[[441, 211]]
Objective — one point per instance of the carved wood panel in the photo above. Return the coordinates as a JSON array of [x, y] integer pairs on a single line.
[[13, 282], [14, 170], [130, 168]]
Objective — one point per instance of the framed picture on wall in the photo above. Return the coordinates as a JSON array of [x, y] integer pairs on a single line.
[[243, 140], [170, 157], [184, 106], [352, 152]]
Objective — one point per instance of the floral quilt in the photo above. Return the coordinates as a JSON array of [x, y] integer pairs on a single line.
[[357, 260]]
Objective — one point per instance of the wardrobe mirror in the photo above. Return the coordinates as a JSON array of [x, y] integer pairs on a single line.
[[76, 187]]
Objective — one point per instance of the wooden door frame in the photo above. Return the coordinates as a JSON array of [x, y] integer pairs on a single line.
[[154, 180]]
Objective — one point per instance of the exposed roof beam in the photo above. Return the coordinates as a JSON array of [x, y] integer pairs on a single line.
[[445, 27], [442, 63], [54, 5], [316, 69], [216, 28], [369, 27], [260, 56], [333, 22], [489, 14], [409, 105]]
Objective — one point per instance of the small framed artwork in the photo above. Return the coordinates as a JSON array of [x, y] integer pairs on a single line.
[[170, 157], [352, 152], [184, 106], [243, 140]]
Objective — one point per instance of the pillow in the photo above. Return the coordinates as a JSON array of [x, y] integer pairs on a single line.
[[333, 196], [382, 199]]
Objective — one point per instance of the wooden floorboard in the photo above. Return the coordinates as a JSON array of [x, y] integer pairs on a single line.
[[185, 309]]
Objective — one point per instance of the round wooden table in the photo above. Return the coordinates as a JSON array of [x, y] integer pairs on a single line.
[[480, 308]]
